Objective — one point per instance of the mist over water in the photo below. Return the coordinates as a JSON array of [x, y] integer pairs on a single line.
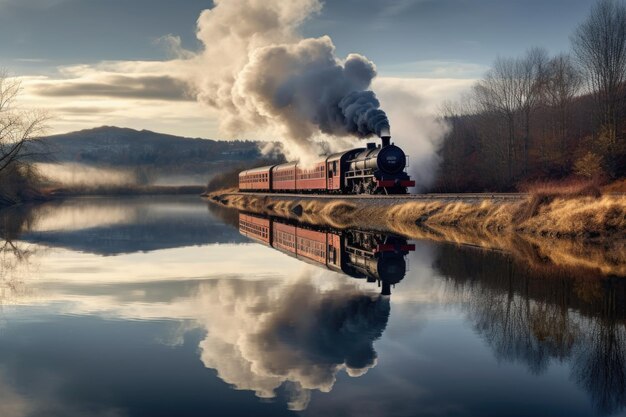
[[80, 175]]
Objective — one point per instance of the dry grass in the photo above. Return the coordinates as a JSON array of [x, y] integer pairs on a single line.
[[571, 188], [618, 186], [581, 217]]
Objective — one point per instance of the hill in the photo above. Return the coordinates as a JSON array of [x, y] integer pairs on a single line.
[[153, 157]]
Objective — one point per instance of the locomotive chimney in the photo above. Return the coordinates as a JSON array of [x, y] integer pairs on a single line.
[[385, 136]]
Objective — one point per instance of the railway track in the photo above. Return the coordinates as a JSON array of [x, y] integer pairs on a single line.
[[405, 197], [417, 197]]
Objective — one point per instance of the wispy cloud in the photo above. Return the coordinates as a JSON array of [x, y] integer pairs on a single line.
[[31, 4], [30, 60], [158, 95], [148, 87], [136, 94], [435, 69]]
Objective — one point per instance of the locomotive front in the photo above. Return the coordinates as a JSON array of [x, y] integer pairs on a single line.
[[379, 170]]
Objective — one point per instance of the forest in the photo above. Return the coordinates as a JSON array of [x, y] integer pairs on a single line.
[[538, 118]]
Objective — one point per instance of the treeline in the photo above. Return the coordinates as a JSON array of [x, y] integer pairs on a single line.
[[539, 117]]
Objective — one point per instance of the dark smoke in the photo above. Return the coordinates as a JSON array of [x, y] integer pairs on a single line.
[[362, 115], [311, 86]]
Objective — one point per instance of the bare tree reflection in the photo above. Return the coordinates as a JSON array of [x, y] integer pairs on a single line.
[[535, 317], [599, 361], [15, 256]]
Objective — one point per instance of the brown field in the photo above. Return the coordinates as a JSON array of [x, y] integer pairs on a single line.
[[569, 230]]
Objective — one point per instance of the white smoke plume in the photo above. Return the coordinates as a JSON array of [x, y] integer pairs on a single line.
[[416, 128], [263, 78]]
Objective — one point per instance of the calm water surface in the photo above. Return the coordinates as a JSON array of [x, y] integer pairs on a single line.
[[161, 307]]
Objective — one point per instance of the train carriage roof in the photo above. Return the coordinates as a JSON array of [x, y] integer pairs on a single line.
[[321, 159], [339, 155], [257, 170], [285, 166]]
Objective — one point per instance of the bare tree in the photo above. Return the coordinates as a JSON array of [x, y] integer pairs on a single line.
[[498, 93], [531, 72], [563, 83], [600, 46], [18, 127]]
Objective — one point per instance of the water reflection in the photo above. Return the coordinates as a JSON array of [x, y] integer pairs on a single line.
[[15, 258], [173, 329], [376, 256], [113, 226], [264, 335], [534, 318]]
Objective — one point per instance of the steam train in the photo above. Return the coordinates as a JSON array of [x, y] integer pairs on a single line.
[[375, 256], [371, 170]]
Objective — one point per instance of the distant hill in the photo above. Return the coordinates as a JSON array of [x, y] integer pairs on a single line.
[[115, 146], [154, 155]]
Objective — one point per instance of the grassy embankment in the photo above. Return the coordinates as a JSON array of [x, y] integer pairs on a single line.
[[570, 226]]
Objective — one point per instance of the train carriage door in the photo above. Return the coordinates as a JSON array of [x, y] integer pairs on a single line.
[[330, 175]]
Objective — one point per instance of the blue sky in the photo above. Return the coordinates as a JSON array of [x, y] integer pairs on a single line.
[[425, 39]]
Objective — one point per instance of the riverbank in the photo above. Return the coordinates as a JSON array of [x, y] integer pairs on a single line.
[[580, 217], [572, 231]]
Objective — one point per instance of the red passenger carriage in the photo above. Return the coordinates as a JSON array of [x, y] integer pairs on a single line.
[[257, 179], [284, 177]]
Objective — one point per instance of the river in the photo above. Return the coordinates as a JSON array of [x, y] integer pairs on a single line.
[[170, 306]]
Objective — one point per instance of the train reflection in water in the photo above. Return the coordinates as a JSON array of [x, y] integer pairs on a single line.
[[375, 256]]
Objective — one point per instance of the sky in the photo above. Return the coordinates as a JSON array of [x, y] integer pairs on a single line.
[[74, 57]]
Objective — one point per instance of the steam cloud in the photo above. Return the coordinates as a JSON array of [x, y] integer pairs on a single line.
[[415, 127], [262, 76]]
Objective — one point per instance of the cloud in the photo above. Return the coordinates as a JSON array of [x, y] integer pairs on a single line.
[[84, 110], [148, 96], [147, 87], [437, 69], [254, 77], [31, 4]]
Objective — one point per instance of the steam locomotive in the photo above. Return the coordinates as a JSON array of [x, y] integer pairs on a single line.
[[373, 256], [371, 170]]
